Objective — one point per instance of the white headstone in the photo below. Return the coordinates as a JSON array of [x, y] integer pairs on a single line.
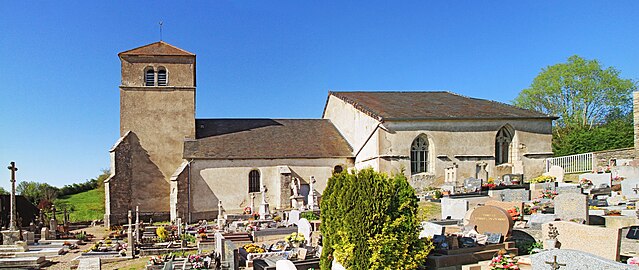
[[571, 206], [293, 217], [430, 229], [630, 188], [284, 265], [454, 208], [304, 227], [597, 178], [557, 172]]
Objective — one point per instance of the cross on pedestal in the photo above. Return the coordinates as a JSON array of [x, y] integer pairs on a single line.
[[13, 214], [554, 264]]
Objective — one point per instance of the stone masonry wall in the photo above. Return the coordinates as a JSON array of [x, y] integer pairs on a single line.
[[603, 157]]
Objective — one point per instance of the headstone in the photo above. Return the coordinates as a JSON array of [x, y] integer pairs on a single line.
[[10, 237], [451, 174], [137, 224], [472, 184], [491, 219], [633, 232], [557, 172], [518, 205], [304, 227], [597, 178], [574, 260], [44, 234], [627, 172], [630, 188], [454, 208], [482, 173], [312, 203], [293, 217], [510, 195], [220, 215], [28, 237], [536, 220], [264, 208], [430, 229], [252, 203], [604, 242], [568, 188], [131, 244], [572, 206], [513, 178], [285, 265]]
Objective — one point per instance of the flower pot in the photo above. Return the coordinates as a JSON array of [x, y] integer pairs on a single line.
[[550, 243]]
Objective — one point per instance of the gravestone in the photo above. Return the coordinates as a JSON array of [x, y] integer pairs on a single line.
[[472, 184], [571, 206], [633, 232], [511, 179], [627, 172], [451, 175], [482, 173], [574, 260], [519, 205], [568, 188], [510, 195], [536, 220], [597, 178], [630, 188], [491, 219], [28, 237], [304, 228], [557, 172], [44, 234], [293, 217], [604, 242], [430, 229], [454, 208]]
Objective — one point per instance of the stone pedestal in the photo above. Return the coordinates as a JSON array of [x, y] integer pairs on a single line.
[[44, 234], [10, 237], [297, 202], [264, 211]]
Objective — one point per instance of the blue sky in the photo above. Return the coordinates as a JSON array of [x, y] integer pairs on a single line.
[[59, 104]]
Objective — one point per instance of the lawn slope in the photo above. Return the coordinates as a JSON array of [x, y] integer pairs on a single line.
[[84, 206]]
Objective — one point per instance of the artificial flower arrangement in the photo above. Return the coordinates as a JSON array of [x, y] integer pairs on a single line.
[[247, 210], [197, 261], [548, 194], [585, 183], [633, 261], [295, 238], [514, 212], [155, 260], [602, 170], [618, 178], [253, 248], [503, 260], [542, 179]]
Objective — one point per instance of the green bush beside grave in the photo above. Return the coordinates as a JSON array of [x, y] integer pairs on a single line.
[[369, 221]]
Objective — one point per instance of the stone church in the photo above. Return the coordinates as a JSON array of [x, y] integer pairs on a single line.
[[171, 164]]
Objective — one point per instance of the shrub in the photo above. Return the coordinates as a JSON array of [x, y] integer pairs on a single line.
[[369, 221], [309, 216], [162, 233]]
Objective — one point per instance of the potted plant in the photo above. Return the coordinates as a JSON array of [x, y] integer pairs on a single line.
[[503, 260], [551, 242]]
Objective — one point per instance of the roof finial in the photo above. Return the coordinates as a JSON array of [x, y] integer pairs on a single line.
[[161, 30]]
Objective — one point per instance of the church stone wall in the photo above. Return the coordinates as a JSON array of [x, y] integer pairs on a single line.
[[227, 180], [465, 143], [180, 69], [355, 126]]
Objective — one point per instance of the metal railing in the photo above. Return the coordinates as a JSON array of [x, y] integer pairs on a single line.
[[573, 163]]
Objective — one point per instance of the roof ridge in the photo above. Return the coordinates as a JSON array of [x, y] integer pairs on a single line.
[[131, 51]]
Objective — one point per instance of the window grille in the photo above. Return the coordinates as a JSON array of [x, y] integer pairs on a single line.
[[419, 156], [162, 77], [254, 181], [149, 78]]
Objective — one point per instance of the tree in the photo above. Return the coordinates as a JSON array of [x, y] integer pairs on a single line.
[[580, 92], [3, 191], [369, 221], [35, 192]]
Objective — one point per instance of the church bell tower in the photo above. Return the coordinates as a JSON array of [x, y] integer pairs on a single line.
[[157, 113]]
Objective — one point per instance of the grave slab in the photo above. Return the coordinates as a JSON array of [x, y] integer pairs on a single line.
[[604, 242], [575, 260], [454, 208]]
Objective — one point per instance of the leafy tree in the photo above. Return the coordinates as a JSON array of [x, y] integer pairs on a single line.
[[3, 191], [580, 92], [35, 192], [369, 221]]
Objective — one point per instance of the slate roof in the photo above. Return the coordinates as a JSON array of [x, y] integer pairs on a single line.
[[432, 105], [266, 139], [157, 48]]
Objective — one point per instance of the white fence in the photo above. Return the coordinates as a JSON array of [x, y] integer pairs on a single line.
[[572, 164]]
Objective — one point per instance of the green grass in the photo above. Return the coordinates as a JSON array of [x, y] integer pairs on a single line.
[[85, 206], [429, 210]]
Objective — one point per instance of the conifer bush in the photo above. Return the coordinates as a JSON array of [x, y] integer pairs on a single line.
[[369, 221]]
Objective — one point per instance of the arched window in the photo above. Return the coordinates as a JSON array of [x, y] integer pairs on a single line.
[[149, 77], [419, 155], [338, 169], [254, 181], [502, 145], [162, 78]]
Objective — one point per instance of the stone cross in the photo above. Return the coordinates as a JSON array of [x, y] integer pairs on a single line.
[[635, 230], [220, 216], [252, 203], [636, 188], [13, 213], [554, 264]]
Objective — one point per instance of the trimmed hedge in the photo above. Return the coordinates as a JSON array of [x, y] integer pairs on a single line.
[[369, 221]]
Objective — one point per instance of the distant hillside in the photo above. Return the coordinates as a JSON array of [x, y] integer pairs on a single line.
[[85, 206]]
